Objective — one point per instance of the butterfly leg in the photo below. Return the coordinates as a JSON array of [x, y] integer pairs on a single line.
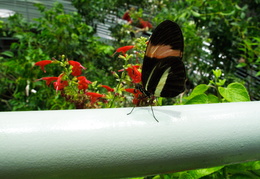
[[131, 110], [153, 114]]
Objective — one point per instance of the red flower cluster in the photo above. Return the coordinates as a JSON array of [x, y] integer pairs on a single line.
[[60, 84], [127, 17], [77, 68], [42, 64], [83, 83], [134, 73], [142, 24], [89, 100], [145, 24]]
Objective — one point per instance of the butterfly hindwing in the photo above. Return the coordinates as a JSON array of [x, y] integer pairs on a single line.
[[163, 72], [174, 84]]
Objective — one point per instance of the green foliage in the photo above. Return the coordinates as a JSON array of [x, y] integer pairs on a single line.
[[67, 33], [53, 34], [198, 95], [192, 174], [251, 52], [234, 92], [218, 35], [202, 94], [1, 24], [248, 170], [97, 10]]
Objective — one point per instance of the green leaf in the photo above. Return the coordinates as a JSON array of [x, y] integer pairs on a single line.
[[19, 36], [242, 15], [204, 172], [195, 14], [221, 82], [212, 98], [159, 101], [198, 95], [8, 53], [217, 73], [185, 175], [198, 90], [40, 7], [254, 165], [237, 7], [163, 176], [235, 92], [198, 99], [241, 65]]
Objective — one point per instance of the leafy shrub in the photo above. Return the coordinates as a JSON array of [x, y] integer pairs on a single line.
[[54, 34]]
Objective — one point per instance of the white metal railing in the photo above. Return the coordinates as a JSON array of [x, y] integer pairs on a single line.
[[107, 143]]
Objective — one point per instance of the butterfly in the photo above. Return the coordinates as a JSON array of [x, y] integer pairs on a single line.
[[163, 71]]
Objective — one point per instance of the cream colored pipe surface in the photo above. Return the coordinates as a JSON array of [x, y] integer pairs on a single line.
[[108, 143]]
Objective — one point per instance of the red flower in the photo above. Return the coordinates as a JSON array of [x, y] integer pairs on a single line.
[[77, 68], [94, 97], [83, 83], [59, 84], [48, 79], [42, 64], [134, 74], [127, 17], [130, 90], [145, 24], [108, 88], [124, 49], [137, 95]]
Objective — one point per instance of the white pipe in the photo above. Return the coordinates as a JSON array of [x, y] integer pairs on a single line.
[[107, 143]]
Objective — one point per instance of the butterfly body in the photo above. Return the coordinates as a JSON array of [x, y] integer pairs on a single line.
[[163, 72]]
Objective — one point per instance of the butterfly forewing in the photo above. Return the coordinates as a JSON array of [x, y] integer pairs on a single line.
[[167, 33], [163, 72]]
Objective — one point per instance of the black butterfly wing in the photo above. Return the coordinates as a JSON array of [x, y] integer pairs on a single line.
[[163, 72]]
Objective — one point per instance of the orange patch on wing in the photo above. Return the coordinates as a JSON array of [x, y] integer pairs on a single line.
[[162, 51]]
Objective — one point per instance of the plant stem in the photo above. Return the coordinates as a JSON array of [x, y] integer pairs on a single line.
[[119, 83]]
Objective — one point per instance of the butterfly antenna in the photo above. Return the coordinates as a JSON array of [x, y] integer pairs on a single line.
[[131, 110], [153, 114]]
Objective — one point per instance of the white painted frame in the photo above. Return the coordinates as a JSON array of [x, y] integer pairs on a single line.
[[108, 143]]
